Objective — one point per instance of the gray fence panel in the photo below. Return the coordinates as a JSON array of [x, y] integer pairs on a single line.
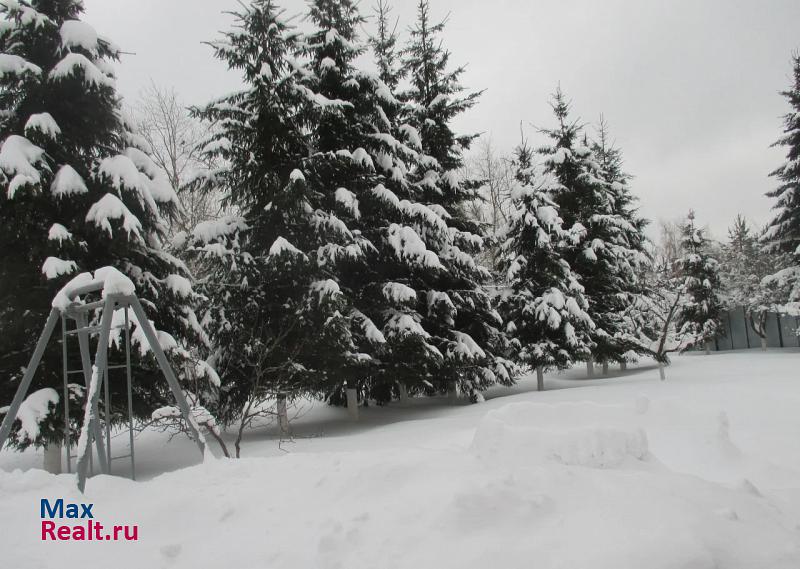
[[789, 326], [739, 334], [725, 341], [773, 333]]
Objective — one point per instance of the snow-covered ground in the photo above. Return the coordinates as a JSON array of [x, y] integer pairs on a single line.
[[700, 471]]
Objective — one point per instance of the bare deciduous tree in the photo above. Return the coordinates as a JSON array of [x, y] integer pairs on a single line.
[[175, 140], [668, 250], [496, 172]]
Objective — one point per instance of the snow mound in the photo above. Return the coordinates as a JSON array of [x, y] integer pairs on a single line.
[[417, 494], [598, 447]]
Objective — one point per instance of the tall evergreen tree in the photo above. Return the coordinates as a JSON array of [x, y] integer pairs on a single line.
[[277, 322], [400, 244], [384, 46], [606, 257], [545, 312], [629, 243], [355, 169], [746, 262], [80, 193], [701, 314], [459, 314], [783, 233]]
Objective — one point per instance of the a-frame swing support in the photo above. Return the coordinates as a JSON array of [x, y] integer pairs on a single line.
[[94, 375]]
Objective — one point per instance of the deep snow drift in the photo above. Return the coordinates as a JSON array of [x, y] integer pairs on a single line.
[[700, 471]]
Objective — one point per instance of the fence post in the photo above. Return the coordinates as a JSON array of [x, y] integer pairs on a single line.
[[730, 329], [746, 331]]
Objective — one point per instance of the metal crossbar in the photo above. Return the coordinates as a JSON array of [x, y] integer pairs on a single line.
[[90, 330]]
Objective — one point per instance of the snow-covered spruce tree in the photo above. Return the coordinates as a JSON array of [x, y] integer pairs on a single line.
[[744, 264], [393, 247], [459, 313], [631, 247], [278, 324], [79, 193], [545, 312], [605, 259], [700, 315], [384, 46], [783, 233]]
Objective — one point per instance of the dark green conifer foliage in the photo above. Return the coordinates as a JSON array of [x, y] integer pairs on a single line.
[[783, 233], [592, 196], [545, 311], [277, 321], [79, 192], [461, 319], [701, 314]]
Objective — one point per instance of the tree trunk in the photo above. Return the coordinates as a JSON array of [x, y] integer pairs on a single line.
[[52, 458], [540, 378], [708, 347], [661, 373], [403, 391], [623, 366], [605, 367], [283, 415], [763, 344], [590, 367], [352, 403], [452, 391], [218, 438]]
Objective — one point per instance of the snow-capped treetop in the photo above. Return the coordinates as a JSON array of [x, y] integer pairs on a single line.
[[384, 46]]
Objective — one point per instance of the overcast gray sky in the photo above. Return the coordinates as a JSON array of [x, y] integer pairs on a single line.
[[690, 88]]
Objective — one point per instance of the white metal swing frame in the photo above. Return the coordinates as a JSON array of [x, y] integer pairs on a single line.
[[96, 375]]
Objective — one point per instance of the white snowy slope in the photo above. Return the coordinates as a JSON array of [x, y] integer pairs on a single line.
[[701, 471]]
